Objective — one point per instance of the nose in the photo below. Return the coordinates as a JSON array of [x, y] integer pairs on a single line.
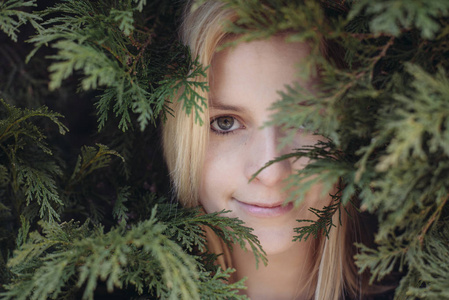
[[262, 148]]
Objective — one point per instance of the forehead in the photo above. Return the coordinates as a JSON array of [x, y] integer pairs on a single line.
[[256, 68], [274, 45]]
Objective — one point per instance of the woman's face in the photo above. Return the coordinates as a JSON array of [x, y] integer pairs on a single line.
[[244, 85]]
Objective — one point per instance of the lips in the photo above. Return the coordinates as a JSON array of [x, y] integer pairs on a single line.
[[265, 210]]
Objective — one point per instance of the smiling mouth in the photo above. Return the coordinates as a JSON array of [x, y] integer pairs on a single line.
[[265, 210]]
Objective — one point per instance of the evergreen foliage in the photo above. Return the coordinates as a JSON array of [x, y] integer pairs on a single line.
[[12, 16], [142, 256], [384, 111], [32, 176], [110, 47], [79, 220]]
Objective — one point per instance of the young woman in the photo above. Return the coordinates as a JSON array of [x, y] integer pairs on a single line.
[[211, 165]]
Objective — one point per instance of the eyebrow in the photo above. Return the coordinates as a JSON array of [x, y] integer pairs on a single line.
[[216, 104]]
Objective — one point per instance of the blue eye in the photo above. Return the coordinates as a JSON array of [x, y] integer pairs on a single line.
[[225, 124]]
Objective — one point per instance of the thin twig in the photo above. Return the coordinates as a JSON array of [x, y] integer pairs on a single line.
[[432, 220]]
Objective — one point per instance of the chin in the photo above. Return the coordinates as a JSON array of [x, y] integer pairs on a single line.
[[276, 241]]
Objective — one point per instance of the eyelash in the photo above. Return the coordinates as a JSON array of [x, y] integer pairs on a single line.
[[218, 132]]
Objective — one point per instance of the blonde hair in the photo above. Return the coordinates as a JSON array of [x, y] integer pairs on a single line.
[[184, 142]]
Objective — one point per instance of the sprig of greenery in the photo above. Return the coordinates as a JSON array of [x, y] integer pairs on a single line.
[[116, 257], [12, 16], [92, 159], [34, 176], [142, 256], [217, 286], [119, 211], [109, 49], [324, 223], [188, 80], [186, 225], [394, 16]]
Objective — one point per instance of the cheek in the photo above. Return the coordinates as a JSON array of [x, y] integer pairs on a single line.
[[224, 155], [216, 163], [218, 176], [315, 198]]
